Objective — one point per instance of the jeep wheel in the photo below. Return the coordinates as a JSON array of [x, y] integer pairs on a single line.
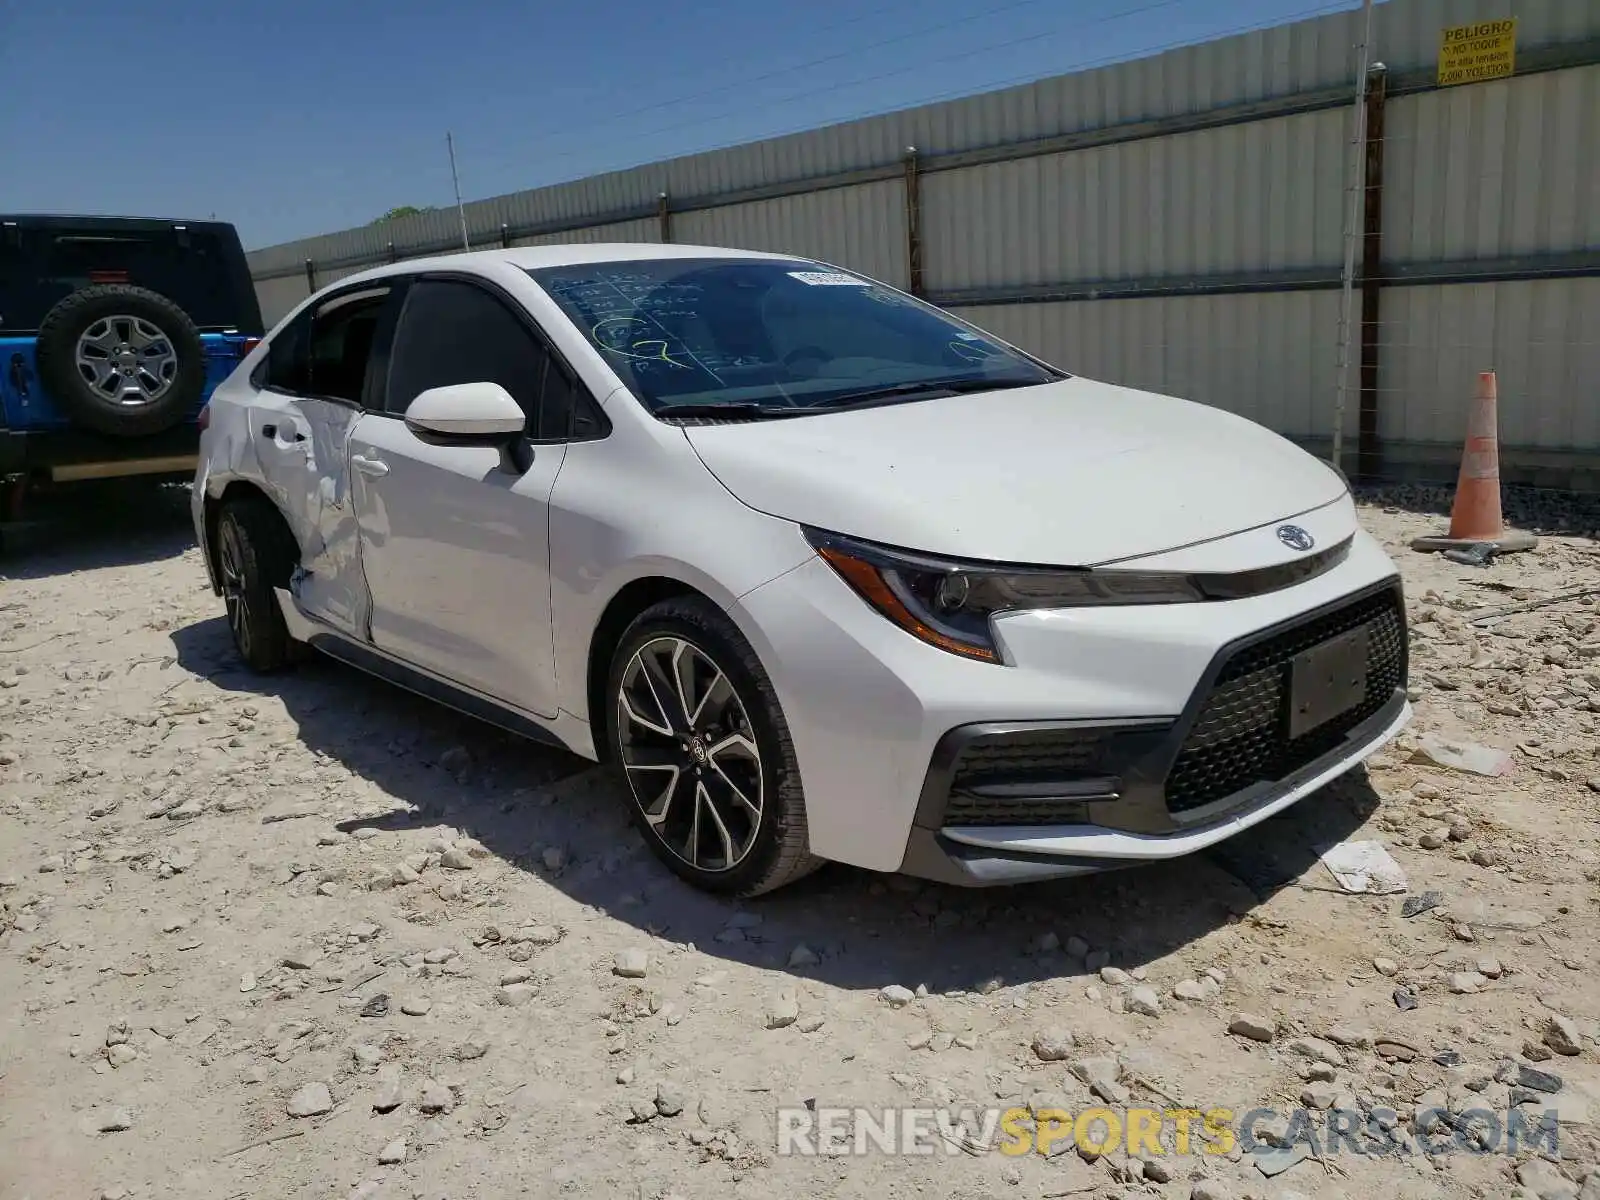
[[122, 361], [255, 554]]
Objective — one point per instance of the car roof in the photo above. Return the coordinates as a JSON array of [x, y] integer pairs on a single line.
[[529, 258]]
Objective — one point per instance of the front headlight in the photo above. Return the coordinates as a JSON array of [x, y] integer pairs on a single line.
[[949, 604]]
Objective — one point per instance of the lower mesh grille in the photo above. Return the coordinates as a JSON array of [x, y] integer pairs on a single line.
[[1043, 757], [990, 810], [1240, 736]]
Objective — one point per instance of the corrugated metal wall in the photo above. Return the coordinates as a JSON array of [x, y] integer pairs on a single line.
[[277, 295], [1315, 53], [1542, 339], [864, 227], [1249, 354], [1502, 168], [1164, 239], [1251, 197], [620, 231]]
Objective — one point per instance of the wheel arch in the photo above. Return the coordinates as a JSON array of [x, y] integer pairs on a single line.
[[631, 599], [212, 506]]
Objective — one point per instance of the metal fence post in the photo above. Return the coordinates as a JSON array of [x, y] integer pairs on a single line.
[[913, 222], [664, 216], [1367, 450], [1352, 215], [311, 278]]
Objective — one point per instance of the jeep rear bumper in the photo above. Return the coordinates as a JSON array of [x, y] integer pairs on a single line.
[[66, 455]]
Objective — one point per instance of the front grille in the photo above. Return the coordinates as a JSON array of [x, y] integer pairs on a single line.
[[993, 810], [1043, 753], [1240, 736], [1017, 759]]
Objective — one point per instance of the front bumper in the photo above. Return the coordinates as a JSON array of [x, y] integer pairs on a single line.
[[1124, 735], [987, 856]]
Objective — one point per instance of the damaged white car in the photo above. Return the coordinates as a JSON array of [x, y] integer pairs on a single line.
[[826, 572]]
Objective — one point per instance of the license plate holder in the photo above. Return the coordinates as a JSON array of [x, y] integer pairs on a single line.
[[1327, 681]]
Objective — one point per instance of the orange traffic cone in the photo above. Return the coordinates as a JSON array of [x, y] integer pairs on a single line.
[[1475, 516]]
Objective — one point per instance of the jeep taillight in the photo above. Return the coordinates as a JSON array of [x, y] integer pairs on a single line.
[[248, 345]]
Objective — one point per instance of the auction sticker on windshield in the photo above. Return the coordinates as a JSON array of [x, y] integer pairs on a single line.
[[828, 279]]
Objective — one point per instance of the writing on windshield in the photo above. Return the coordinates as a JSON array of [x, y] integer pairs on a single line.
[[640, 319], [767, 331]]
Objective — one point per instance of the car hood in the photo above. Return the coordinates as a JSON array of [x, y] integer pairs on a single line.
[[1071, 473]]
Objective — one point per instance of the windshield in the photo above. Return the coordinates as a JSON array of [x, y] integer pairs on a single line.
[[773, 336]]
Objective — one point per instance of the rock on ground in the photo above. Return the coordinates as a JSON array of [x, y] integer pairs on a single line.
[[631, 964], [310, 1100], [1248, 1025]]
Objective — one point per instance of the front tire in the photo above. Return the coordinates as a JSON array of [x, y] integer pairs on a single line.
[[695, 730], [255, 554]]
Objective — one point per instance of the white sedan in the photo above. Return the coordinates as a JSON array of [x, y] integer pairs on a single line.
[[824, 571]]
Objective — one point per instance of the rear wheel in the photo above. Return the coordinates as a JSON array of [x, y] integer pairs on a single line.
[[697, 733], [255, 554]]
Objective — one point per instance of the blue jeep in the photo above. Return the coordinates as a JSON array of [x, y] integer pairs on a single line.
[[113, 333]]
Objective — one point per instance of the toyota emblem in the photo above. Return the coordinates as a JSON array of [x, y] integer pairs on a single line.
[[1295, 538]]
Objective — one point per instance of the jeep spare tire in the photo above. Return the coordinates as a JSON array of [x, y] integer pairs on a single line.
[[122, 361]]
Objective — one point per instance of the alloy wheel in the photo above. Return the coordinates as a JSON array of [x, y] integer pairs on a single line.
[[127, 360], [690, 754], [230, 561]]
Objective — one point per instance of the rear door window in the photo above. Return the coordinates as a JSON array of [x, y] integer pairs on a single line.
[[288, 365], [342, 334], [327, 351]]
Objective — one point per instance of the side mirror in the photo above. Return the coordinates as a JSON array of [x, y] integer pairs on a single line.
[[467, 412]]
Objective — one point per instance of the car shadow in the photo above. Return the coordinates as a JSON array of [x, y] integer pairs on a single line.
[[90, 526], [863, 929]]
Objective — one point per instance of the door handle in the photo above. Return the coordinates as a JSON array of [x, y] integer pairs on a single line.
[[369, 466]]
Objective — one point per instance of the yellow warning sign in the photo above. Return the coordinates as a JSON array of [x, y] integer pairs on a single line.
[[1474, 53]]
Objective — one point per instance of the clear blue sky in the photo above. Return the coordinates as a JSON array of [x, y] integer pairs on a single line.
[[297, 117]]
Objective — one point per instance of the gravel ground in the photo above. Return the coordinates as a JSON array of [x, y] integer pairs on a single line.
[[310, 937]]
